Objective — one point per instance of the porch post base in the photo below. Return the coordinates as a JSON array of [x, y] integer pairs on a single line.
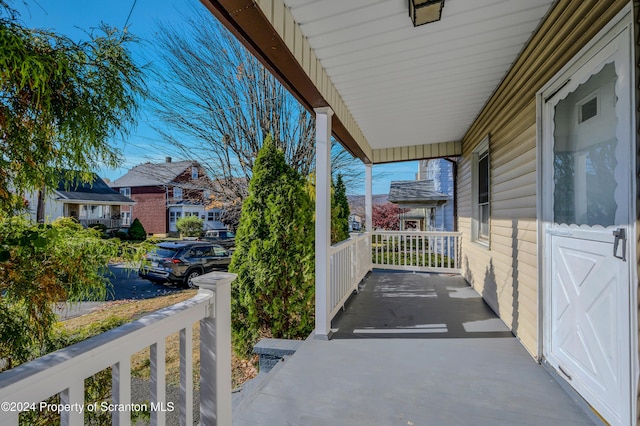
[[325, 337]]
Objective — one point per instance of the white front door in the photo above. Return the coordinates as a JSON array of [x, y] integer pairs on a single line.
[[587, 209]]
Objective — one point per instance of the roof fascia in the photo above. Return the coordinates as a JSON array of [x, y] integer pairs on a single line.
[[247, 22]]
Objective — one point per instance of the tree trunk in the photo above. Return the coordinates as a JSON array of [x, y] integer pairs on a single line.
[[40, 206]]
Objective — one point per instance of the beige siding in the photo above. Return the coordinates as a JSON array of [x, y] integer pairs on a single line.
[[506, 272], [417, 152]]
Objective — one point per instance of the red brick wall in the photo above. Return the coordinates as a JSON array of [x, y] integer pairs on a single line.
[[150, 209]]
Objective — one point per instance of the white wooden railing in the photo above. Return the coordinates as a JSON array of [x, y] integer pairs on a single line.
[[431, 251], [64, 372], [350, 261]]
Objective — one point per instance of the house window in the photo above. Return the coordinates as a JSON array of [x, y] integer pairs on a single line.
[[125, 191], [177, 193], [194, 173], [125, 217], [480, 192], [214, 215], [172, 216]]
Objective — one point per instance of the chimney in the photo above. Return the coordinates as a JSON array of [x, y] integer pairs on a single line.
[[167, 159]]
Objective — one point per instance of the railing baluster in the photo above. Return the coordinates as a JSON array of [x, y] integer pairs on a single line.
[[49, 375], [74, 397], [186, 376], [121, 390], [436, 251], [157, 358]]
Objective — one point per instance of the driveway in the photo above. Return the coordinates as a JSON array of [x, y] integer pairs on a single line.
[[126, 285]]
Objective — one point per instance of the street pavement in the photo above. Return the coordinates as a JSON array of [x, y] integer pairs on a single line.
[[125, 285]]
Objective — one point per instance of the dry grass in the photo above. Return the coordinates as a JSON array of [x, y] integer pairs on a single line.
[[130, 310]]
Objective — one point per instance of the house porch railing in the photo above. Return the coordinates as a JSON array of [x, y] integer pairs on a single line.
[[64, 372], [352, 259], [109, 223]]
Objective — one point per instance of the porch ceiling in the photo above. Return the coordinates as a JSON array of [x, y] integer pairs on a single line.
[[403, 86], [411, 86]]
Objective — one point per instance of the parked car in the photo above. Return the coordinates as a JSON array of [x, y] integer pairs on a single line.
[[181, 261], [226, 239]]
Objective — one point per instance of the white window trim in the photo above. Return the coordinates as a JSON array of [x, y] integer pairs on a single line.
[[125, 191], [480, 149]]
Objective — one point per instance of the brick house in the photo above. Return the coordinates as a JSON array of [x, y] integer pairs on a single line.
[[165, 192]]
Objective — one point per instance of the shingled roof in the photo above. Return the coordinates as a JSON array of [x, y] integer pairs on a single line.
[[95, 191], [416, 194], [152, 174]]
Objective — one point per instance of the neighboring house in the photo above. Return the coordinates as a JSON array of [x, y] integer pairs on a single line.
[[440, 172], [165, 192], [355, 223], [419, 201], [90, 203], [539, 101]]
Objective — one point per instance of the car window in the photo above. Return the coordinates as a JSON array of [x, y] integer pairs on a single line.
[[199, 251], [219, 251], [163, 252]]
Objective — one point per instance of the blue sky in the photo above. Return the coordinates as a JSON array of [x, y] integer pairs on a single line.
[[75, 17]]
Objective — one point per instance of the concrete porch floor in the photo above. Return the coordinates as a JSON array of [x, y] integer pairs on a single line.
[[412, 349]]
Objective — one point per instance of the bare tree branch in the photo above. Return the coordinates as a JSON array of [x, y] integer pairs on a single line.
[[217, 104]]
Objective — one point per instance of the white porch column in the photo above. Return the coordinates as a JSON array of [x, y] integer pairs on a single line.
[[323, 220], [368, 198]]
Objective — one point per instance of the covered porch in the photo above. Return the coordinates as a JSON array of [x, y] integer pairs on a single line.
[[412, 349]]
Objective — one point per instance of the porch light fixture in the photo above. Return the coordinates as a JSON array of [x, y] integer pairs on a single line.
[[425, 11]]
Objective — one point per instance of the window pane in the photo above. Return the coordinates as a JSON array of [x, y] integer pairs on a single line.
[[585, 155], [483, 220], [483, 179]]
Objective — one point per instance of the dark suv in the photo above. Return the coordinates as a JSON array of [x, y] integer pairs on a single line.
[[183, 260], [226, 239]]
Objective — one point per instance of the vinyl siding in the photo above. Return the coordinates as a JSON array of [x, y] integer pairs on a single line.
[[506, 273]]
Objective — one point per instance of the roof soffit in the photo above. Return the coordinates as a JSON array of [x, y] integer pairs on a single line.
[[403, 86]]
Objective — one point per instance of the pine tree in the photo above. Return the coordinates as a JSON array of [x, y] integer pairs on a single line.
[[341, 208], [273, 295], [136, 231]]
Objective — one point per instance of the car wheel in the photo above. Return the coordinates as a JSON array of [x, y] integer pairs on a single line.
[[190, 276]]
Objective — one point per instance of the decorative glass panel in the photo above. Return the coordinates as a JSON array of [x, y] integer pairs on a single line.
[[584, 154]]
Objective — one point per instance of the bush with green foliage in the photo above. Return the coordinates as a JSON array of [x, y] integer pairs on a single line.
[[273, 295], [136, 231], [190, 226], [99, 227], [42, 265]]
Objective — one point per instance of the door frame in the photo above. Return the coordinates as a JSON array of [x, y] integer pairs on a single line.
[[622, 22]]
